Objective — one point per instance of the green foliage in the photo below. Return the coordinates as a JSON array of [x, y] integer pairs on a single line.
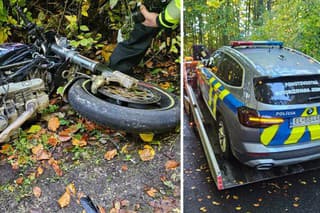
[[50, 109], [299, 28], [214, 23]]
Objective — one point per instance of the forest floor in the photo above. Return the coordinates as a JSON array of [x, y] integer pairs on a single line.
[[60, 157]]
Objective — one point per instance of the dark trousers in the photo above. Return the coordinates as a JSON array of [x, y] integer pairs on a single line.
[[130, 52]]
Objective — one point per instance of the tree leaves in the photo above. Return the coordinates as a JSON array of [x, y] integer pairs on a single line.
[[113, 3]]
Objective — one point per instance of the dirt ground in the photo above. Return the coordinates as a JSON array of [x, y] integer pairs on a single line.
[[125, 183]]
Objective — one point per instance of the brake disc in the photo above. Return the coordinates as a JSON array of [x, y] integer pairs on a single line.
[[137, 95]]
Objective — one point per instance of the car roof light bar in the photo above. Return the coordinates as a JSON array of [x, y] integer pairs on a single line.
[[256, 43]]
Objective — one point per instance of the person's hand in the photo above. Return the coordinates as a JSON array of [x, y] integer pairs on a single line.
[[150, 18]]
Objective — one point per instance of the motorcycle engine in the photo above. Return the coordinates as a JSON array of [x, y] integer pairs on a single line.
[[15, 96]]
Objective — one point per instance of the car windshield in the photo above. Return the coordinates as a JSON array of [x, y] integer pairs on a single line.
[[288, 90]]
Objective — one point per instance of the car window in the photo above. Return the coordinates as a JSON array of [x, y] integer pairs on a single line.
[[230, 71], [288, 90]]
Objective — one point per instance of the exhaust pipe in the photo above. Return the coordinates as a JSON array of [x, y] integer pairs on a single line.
[[31, 107], [264, 166]]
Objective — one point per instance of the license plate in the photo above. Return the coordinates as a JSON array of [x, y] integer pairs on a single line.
[[305, 121]]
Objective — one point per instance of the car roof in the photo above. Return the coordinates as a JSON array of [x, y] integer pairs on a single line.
[[275, 61]]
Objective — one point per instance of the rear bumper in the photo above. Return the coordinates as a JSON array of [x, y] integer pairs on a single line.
[[256, 155]]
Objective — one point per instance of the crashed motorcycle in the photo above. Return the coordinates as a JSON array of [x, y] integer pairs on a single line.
[[29, 73]]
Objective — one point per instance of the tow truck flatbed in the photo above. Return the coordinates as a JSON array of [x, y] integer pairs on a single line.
[[228, 174]]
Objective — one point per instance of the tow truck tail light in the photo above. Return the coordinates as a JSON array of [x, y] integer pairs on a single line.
[[250, 118], [253, 43]]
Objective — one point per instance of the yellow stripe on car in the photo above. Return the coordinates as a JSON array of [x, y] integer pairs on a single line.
[[210, 91], [268, 134]]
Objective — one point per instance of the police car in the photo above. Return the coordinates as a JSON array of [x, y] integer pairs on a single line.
[[265, 99]]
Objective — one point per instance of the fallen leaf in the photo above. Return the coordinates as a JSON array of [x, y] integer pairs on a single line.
[[34, 129], [124, 149], [146, 137], [54, 164], [64, 200], [152, 192], [124, 167], [71, 189], [165, 85], [77, 142], [203, 209], [19, 180], [53, 123], [238, 208], [147, 153], [110, 154], [36, 149], [6, 149], [53, 141], [101, 209], [64, 138], [235, 197], [216, 203], [15, 165], [171, 164], [43, 155], [114, 210], [39, 171], [69, 131], [89, 125], [36, 191], [303, 182]]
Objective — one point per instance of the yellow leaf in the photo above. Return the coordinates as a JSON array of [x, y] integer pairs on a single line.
[[203, 209], [71, 189], [124, 149], [147, 153], [36, 149], [72, 18], [146, 137], [152, 192], [80, 143], [110, 154], [34, 129], [53, 124], [64, 200], [238, 208], [84, 8], [107, 51], [39, 171], [165, 85], [36, 191]]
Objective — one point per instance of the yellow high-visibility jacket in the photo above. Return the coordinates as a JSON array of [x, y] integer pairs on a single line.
[[170, 17]]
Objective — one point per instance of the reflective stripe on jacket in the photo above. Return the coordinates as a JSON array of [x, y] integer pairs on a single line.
[[169, 18]]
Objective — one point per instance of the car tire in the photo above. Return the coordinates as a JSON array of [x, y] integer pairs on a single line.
[[223, 139]]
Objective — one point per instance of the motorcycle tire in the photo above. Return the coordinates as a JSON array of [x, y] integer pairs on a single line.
[[163, 118]]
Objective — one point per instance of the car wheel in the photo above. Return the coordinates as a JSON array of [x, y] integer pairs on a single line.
[[223, 139]]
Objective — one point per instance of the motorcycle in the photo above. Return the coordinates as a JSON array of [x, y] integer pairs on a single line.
[[29, 73]]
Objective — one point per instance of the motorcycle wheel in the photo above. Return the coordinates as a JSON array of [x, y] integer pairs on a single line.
[[162, 116]]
